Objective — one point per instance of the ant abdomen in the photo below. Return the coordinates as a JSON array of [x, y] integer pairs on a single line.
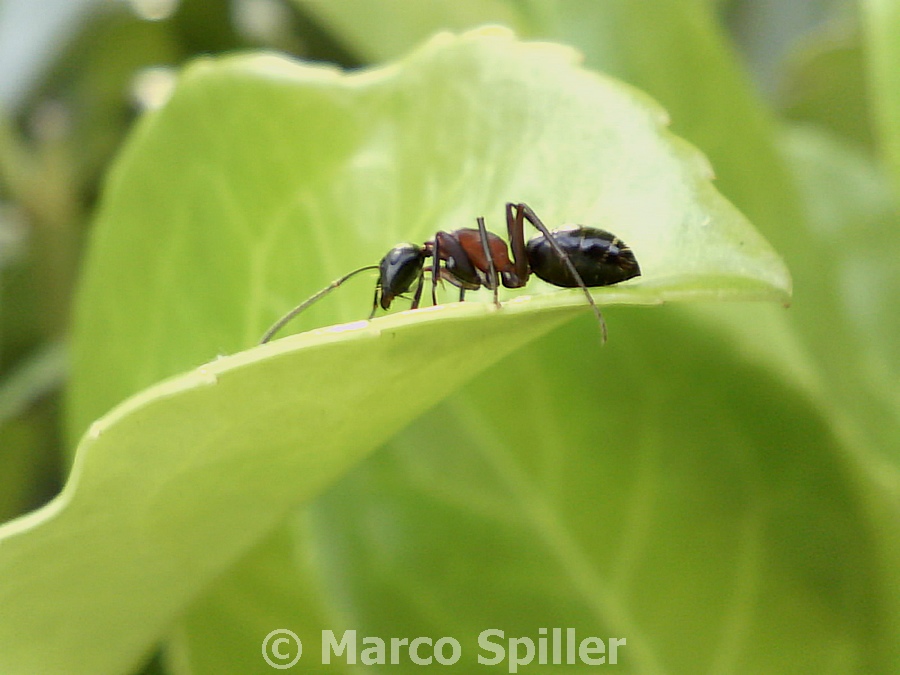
[[599, 257]]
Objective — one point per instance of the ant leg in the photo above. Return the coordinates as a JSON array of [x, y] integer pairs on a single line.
[[493, 280], [531, 216], [515, 229], [461, 284], [375, 300], [417, 296], [435, 267]]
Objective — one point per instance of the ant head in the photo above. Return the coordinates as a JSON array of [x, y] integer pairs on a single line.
[[398, 269]]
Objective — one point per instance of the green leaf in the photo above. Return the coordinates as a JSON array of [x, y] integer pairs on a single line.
[[172, 486], [259, 182], [882, 36], [651, 501], [802, 408], [673, 50], [667, 489]]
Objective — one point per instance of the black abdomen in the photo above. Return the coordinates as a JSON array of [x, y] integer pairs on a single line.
[[601, 258]]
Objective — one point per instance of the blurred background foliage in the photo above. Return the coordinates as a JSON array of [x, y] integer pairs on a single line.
[[75, 74]]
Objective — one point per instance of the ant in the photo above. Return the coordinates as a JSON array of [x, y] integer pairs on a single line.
[[469, 258]]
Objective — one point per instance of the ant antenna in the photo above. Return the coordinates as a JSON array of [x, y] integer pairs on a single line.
[[278, 325], [534, 220]]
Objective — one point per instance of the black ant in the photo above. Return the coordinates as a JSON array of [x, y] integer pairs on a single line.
[[573, 256]]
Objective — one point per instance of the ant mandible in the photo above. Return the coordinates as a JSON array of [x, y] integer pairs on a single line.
[[469, 258]]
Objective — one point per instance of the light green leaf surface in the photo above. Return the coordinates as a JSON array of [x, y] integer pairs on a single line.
[[258, 183]]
